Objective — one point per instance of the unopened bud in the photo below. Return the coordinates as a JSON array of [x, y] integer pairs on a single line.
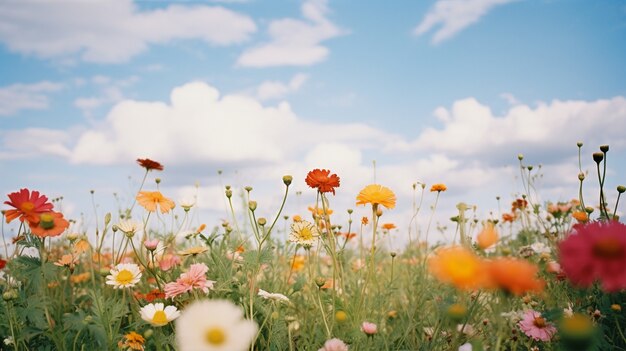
[[261, 221], [287, 180], [252, 205], [581, 176], [598, 157], [579, 144], [621, 188], [520, 157], [530, 168], [248, 188], [229, 193], [158, 180], [320, 281], [350, 211], [107, 218], [604, 148]]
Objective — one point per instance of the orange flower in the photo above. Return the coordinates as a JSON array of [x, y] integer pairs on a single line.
[[515, 276], [151, 199], [322, 180], [319, 211], [348, 236], [365, 220], [132, 341], [508, 217], [27, 206], [80, 278], [580, 216], [377, 194], [149, 164], [488, 236], [49, 224], [297, 263], [81, 246], [389, 226], [458, 266], [519, 204], [439, 187], [297, 218], [66, 261]]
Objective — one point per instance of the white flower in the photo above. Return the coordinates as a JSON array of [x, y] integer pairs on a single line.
[[540, 248], [8, 340], [303, 233], [513, 316], [214, 325], [124, 275], [272, 296], [568, 312], [129, 227], [158, 315], [465, 347], [187, 203]]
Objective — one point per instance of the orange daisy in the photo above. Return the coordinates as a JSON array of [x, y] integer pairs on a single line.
[[488, 236], [149, 164], [389, 226], [132, 341], [515, 276], [151, 199], [458, 266], [439, 187], [322, 180], [28, 205], [377, 194], [49, 224]]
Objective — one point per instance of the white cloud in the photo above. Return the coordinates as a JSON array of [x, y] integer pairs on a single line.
[[112, 32], [453, 16], [275, 90], [32, 142], [295, 42], [110, 92], [17, 97], [471, 128]]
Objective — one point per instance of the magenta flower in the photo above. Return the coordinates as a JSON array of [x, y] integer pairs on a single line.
[[596, 251], [194, 278], [536, 327]]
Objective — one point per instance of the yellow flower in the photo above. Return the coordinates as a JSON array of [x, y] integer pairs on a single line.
[[303, 233], [458, 266], [132, 341], [151, 199], [488, 236], [124, 275], [438, 187], [196, 250], [377, 194], [158, 315]]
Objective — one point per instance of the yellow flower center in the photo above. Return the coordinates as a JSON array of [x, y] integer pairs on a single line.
[[577, 324], [215, 336], [46, 221], [608, 248], [306, 234], [159, 318], [124, 277], [27, 206]]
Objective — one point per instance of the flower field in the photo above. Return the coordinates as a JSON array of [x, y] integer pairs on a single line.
[[540, 275]]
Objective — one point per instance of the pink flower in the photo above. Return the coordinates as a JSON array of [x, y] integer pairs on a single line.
[[596, 251], [369, 328], [334, 345], [195, 278], [536, 327], [151, 244], [168, 261]]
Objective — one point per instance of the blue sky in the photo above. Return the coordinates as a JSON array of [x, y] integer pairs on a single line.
[[434, 91]]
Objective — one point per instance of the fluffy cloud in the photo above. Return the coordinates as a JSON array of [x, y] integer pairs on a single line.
[[17, 97], [453, 16], [295, 42], [65, 29], [33, 142], [275, 90]]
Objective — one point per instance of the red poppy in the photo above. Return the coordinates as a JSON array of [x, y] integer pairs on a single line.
[[3, 263], [322, 180], [27, 205], [149, 164]]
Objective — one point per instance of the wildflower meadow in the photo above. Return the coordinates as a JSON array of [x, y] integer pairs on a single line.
[[539, 275]]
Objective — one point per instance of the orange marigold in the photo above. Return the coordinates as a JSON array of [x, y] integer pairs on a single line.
[[49, 224], [322, 180], [151, 199], [458, 266], [377, 194], [439, 187], [149, 164], [389, 226], [132, 341], [580, 216], [515, 276]]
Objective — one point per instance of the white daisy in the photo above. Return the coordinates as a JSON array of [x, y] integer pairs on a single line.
[[272, 296], [540, 248], [158, 315], [129, 227], [124, 275], [303, 233], [214, 325]]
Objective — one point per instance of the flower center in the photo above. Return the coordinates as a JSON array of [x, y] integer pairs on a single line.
[[539, 322], [124, 277], [215, 336], [305, 234], [27, 206], [608, 248], [159, 318], [46, 221]]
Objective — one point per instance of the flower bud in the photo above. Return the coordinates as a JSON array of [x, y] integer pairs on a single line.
[[261, 221], [598, 157], [158, 180], [248, 188], [287, 180], [579, 144], [581, 176], [320, 281], [604, 148], [341, 316], [621, 189], [520, 157], [229, 193], [252, 205]]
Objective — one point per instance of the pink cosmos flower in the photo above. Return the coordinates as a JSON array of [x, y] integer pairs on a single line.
[[194, 278], [151, 244], [334, 345], [168, 261], [596, 251], [536, 327], [369, 328]]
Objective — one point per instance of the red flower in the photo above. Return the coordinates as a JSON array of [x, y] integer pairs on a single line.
[[322, 180], [149, 164], [3, 263], [595, 251], [27, 205], [49, 224]]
